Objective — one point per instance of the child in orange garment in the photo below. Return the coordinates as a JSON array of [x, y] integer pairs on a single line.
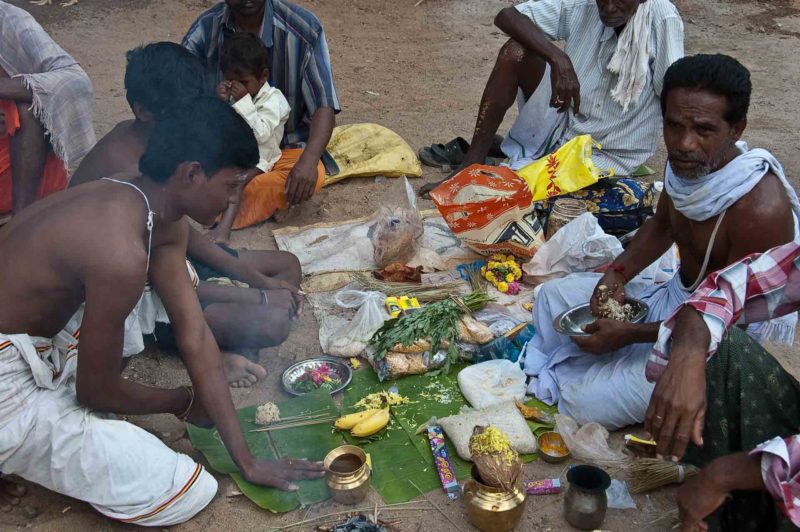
[[244, 63], [54, 176]]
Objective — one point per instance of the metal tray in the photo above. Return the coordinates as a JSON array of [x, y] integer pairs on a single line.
[[572, 321], [293, 373]]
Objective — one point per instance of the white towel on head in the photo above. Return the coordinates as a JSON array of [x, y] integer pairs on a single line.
[[631, 61]]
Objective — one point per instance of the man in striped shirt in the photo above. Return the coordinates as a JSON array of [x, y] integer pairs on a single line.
[[300, 68], [566, 93]]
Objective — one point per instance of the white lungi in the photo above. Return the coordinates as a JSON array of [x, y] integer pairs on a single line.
[[610, 389], [46, 437]]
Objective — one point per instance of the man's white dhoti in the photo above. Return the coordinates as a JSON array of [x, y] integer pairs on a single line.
[[46, 437], [610, 389]]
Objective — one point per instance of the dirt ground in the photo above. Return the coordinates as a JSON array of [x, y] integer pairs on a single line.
[[420, 71]]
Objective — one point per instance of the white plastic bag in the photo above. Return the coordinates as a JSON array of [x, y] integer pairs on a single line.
[[492, 382], [579, 246], [351, 339], [589, 442]]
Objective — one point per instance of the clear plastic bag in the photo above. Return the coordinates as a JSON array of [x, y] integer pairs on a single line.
[[351, 339], [589, 442], [619, 497], [397, 232]]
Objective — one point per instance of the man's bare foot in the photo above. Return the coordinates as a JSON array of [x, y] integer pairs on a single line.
[[10, 494], [218, 235], [241, 373]]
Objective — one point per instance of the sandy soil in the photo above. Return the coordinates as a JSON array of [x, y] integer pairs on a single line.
[[421, 71]]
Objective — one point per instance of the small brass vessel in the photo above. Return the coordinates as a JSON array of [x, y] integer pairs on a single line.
[[347, 474], [552, 448], [493, 509]]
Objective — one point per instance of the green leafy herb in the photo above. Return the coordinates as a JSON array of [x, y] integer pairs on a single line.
[[435, 322]]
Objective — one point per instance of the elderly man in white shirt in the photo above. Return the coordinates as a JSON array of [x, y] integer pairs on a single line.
[[606, 82]]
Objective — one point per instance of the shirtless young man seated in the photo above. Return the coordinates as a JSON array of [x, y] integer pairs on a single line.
[[74, 265], [156, 77]]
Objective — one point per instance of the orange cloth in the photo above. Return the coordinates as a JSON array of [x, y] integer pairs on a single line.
[[265, 193], [54, 177]]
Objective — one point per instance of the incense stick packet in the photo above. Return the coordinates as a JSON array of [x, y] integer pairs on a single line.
[[548, 486], [443, 466]]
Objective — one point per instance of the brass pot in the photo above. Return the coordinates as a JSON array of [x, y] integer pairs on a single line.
[[347, 474], [493, 509]]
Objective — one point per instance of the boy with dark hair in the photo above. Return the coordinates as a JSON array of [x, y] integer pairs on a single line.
[[88, 253], [244, 62], [157, 77]]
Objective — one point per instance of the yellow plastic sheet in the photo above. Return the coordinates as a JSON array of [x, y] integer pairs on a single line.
[[363, 150], [567, 170]]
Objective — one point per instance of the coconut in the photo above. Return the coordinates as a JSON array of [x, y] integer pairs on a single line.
[[498, 464]]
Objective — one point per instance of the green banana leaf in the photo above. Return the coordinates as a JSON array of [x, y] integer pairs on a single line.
[[398, 454], [536, 427], [312, 442]]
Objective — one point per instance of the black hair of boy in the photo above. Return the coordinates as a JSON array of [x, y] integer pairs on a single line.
[[244, 52], [204, 130], [160, 74]]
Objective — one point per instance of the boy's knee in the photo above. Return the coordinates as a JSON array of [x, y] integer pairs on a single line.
[[279, 327], [291, 265]]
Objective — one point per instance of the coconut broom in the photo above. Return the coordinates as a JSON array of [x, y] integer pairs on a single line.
[[646, 474]]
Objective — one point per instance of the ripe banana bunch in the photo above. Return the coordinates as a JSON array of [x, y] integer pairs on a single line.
[[364, 424]]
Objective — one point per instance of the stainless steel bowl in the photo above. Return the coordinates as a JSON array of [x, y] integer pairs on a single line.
[[293, 373], [571, 322]]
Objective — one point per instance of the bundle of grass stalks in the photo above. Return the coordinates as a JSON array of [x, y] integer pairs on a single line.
[[646, 474], [425, 293]]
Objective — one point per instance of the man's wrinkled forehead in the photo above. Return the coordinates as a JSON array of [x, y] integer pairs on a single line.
[[701, 106]]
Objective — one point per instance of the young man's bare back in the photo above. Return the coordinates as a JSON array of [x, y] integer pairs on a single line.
[[60, 360], [126, 142]]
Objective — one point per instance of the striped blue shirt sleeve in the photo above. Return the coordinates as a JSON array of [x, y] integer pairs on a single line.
[[549, 15], [318, 87], [196, 39]]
